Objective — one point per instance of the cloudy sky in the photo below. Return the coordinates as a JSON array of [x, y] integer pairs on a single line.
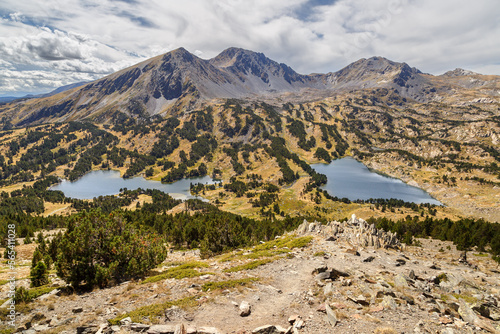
[[51, 43]]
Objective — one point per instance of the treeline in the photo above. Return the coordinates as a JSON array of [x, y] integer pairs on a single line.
[[92, 144], [101, 248], [385, 203], [184, 230], [98, 249], [166, 143], [21, 204], [138, 163], [86, 146], [209, 228], [27, 225], [297, 129], [161, 201], [44, 152], [30, 199], [181, 172], [465, 233], [330, 131], [440, 161]]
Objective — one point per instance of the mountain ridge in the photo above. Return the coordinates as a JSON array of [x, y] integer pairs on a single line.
[[180, 81], [7, 99]]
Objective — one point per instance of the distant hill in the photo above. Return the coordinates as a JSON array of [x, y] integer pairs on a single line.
[[6, 99]]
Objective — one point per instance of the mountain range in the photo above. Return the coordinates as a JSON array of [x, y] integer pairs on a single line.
[[7, 99], [180, 81], [241, 113], [259, 128]]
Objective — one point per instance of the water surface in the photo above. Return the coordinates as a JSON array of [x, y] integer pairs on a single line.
[[108, 182], [353, 180]]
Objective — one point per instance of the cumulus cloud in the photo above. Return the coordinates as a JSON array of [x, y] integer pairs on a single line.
[[43, 59], [24, 81], [75, 39]]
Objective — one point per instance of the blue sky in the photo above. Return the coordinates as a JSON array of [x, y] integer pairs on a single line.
[[45, 45]]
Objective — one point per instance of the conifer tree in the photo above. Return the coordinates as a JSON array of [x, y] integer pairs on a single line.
[[39, 275], [99, 249]]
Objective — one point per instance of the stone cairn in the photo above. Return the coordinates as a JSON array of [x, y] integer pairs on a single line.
[[355, 231]]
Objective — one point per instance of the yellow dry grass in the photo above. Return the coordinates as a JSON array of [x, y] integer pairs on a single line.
[[141, 199], [56, 209]]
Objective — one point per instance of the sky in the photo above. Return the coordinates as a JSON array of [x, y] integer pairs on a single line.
[[51, 43]]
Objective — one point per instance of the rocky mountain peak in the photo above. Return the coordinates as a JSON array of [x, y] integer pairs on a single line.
[[380, 72], [376, 66], [232, 56], [179, 50], [245, 64], [181, 57], [459, 72], [161, 83]]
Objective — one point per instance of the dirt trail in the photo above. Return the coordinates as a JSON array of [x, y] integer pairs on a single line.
[[422, 289]]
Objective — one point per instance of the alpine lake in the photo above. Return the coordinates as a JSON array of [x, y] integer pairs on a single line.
[[353, 180], [346, 178], [108, 182]]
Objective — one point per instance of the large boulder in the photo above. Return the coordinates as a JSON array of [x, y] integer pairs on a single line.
[[468, 315], [330, 317], [400, 282], [332, 274], [245, 309], [302, 229], [137, 327], [161, 329], [389, 303], [270, 329]]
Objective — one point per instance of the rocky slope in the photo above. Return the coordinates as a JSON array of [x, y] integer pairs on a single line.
[[259, 74], [177, 80], [381, 72], [180, 81], [349, 278]]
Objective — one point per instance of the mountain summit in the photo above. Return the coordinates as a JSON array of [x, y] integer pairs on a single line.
[[179, 80], [257, 72], [373, 72], [381, 72]]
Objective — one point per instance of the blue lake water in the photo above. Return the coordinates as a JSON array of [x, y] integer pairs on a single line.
[[346, 178], [353, 180], [109, 182]]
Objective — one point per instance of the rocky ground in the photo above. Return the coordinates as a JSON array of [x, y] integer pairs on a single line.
[[350, 278]]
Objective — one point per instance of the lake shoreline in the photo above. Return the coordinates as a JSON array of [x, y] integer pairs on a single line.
[[109, 183], [350, 178]]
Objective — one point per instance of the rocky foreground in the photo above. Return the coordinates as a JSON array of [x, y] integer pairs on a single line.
[[341, 277]]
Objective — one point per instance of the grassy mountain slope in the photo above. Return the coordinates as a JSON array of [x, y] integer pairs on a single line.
[[452, 152]]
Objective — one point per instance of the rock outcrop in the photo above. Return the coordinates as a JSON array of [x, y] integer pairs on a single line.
[[355, 230]]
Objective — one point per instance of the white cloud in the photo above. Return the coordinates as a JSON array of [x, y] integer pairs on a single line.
[[42, 59], [24, 81], [89, 38]]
